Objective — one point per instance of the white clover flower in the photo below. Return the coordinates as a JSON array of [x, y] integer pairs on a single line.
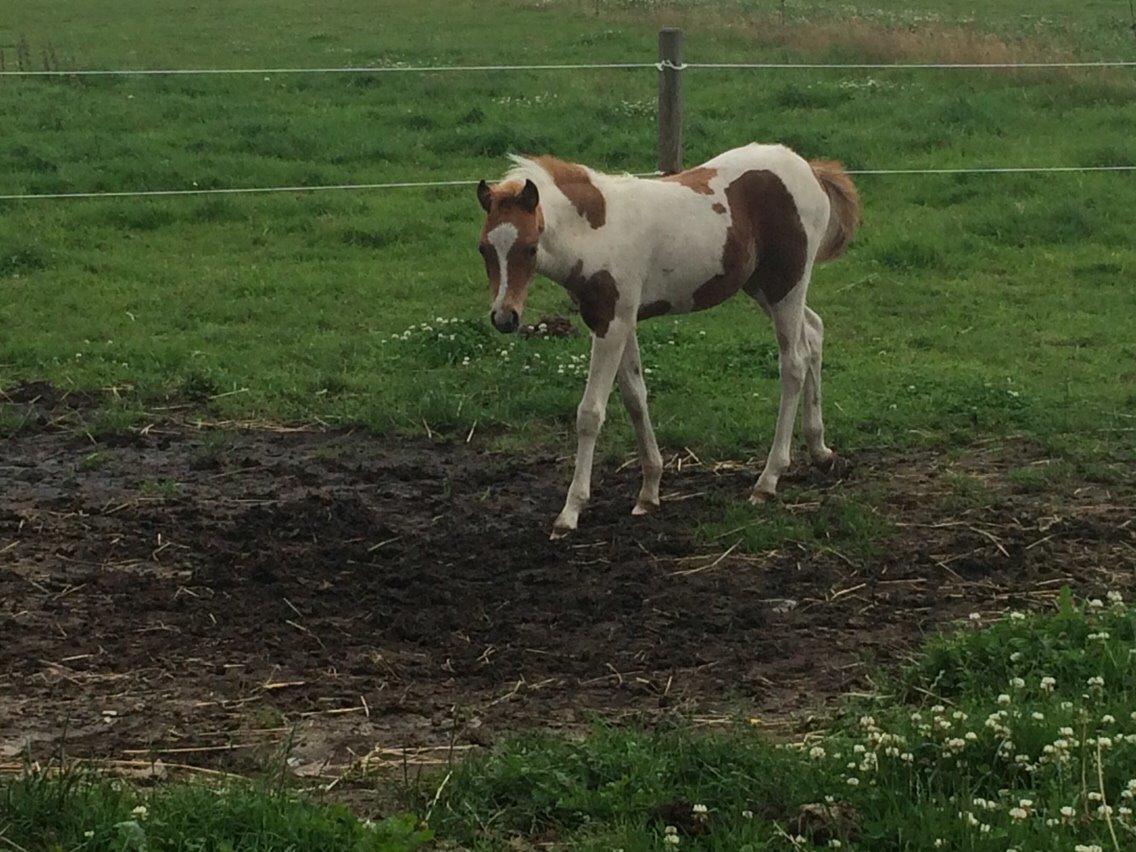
[[1104, 811], [1090, 848], [984, 828], [816, 752], [1096, 603], [1094, 796], [1017, 683], [976, 616], [1066, 705], [1047, 684], [1016, 656], [1037, 716], [700, 809], [907, 757], [140, 811], [1017, 616], [1096, 682], [940, 843], [747, 814], [1067, 812], [1018, 814], [1115, 598], [1108, 719], [858, 749], [1003, 698], [970, 736], [853, 781], [671, 839]]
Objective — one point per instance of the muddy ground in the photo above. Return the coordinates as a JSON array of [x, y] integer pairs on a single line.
[[204, 595]]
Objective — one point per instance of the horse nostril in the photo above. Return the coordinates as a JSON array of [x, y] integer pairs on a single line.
[[506, 324]]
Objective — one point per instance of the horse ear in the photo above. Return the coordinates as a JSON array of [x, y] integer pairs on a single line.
[[484, 196], [529, 197]]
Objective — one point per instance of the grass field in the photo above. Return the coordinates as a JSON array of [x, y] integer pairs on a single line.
[[969, 311], [970, 306]]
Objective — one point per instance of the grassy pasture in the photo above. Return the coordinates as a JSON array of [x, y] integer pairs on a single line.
[[969, 306]]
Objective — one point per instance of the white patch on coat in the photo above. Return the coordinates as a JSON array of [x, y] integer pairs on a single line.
[[502, 238]]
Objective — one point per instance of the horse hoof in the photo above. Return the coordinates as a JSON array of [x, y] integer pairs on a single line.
[[560, 530], [643, 507], [834, 465], [760, 498]]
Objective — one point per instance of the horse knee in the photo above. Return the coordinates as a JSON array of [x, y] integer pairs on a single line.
[[589, 419], [793, 365], [636, 405]]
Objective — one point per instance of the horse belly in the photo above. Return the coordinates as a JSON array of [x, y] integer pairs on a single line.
[[688, 274]]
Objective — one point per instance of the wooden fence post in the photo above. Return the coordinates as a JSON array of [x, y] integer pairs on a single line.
[[670, 100]]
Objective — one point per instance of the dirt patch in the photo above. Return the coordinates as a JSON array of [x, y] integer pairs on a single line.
[[200, 594], [549, 325]]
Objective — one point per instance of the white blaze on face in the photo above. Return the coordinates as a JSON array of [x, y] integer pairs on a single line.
[[502, 238]]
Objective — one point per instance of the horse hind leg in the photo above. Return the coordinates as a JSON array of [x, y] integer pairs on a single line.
[[788, 317]]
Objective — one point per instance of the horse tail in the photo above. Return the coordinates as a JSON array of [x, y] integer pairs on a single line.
[[844, 212]]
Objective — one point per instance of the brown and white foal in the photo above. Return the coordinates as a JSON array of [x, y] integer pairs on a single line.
[[753, 219]]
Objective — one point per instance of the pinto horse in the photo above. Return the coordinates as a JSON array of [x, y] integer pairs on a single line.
[[753, 219]]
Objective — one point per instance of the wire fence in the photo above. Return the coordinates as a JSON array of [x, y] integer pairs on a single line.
[[668, 65], [581, 66], [425, 184]]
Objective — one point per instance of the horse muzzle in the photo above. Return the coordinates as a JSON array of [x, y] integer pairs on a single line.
[[505, 320]]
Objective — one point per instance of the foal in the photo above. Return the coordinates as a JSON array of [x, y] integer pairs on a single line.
[[753, 219]]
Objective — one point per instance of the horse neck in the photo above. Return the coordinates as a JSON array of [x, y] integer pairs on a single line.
[[568, 239]]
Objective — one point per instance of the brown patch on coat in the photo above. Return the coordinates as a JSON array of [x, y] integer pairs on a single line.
[[654, 309], [596, 295], [697, 179], [576, 184], [844, 213], [766, 244], [718, 208]]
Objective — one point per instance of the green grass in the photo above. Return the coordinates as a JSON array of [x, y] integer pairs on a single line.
[[970, 729], [849, 524], [79, 811], [968, 307], [1031, 712]]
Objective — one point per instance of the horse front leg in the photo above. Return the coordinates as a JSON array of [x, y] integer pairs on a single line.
[[633, 391], [607, 351]]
